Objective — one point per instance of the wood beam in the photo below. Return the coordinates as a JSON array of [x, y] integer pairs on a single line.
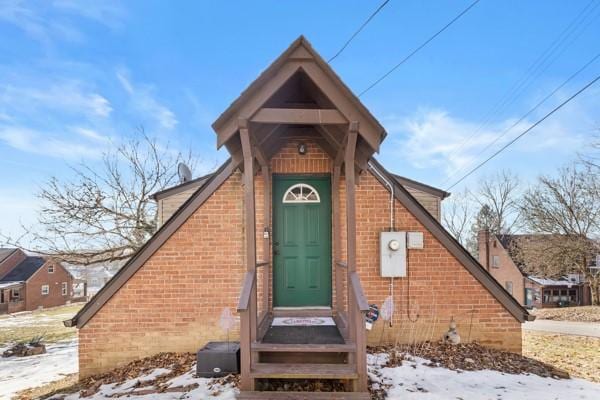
[[248, 323], [299, 116], [351, 194], [266, 174]]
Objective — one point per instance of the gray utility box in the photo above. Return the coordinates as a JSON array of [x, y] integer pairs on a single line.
[[218, 359]]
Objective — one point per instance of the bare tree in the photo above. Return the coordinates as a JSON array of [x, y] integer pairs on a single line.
[[498, 197], [457, 215], [103, 214], [567, 209]]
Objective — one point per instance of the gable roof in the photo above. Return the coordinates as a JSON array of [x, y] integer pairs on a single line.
[[442, 194], [197, 182], [5, 253], [154, 243], [226, 127], [217, 179], [455, 248], [24, 270], [299, 56]]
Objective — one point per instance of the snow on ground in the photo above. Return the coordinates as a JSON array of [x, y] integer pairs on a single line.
[[205, 389], [19, 373], [29, 318], [415, 380]]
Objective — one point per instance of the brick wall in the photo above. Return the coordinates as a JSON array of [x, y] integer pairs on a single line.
[[174, 301], [440, 288], [33, 287]]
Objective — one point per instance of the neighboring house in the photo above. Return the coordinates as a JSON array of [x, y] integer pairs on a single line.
[[91, 278], [300, 221], [497, 254], [31, 282]]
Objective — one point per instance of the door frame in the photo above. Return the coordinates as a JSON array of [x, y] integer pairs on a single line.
[[284, 176]]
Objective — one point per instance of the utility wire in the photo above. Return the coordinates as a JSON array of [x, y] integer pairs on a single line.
[[415, 51], [528, 113], [538, 67], [358, 30], [526, 131]]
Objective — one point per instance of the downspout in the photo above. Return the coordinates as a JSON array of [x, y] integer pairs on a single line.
[[392, 226]]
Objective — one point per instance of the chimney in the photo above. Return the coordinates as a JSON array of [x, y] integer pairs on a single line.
[[483, 246]]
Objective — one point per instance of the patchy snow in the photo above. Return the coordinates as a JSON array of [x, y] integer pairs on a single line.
[[206, 388], [29, 318], [415, 380], [19, 373]]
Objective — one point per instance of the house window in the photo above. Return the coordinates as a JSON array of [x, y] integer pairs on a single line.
[[63, 289], [45, 290], [15, 294], [509, 287], [50, 269], [301, 193], [558, 295], [496, 261]]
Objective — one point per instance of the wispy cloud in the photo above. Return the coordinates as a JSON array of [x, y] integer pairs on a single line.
[[48, 143], [143, 101], [433, 138], [107, 12], [90, 134], [67, 96], [47, 21]]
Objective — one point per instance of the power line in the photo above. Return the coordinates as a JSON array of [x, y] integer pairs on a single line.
[[561, 105], [358, 30], [415, 51], [538, 67], [528, 113]]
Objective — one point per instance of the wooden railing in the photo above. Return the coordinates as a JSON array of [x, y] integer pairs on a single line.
[[250, 322], [357, 310], [352, 307]]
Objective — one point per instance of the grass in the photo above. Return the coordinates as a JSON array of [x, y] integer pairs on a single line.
[[47, 323], [578, 355], [68, 384], [577, 314]]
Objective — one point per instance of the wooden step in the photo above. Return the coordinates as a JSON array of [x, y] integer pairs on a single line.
[[303, 371], [304, 348], [304, 395]]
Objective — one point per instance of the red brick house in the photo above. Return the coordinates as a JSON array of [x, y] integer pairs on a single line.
[[31, 282], [301, 221], [497, 254]]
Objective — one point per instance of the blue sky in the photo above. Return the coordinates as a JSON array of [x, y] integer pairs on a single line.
[[76, 76]]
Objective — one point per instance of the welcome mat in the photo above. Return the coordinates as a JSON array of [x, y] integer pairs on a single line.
[[303, 321]]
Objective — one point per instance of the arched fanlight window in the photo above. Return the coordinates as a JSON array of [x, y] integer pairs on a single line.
[[301, 193]]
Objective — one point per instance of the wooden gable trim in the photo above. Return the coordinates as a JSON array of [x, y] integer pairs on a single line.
[[299, 55], [292, 116], [455, 248], [154, 243]]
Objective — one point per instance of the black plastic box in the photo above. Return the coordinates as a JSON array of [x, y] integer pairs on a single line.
[[218, 359]]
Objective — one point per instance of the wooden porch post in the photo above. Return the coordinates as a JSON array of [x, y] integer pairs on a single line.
[[337, 254], [356, 322], [248, 318], [266, 173]]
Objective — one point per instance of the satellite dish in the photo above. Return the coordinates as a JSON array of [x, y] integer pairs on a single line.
[[184, 172]]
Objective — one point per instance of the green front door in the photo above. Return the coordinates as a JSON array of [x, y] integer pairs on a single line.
[[301, 241]]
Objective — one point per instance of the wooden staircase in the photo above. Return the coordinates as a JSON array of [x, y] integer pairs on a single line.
[[304, 361]]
